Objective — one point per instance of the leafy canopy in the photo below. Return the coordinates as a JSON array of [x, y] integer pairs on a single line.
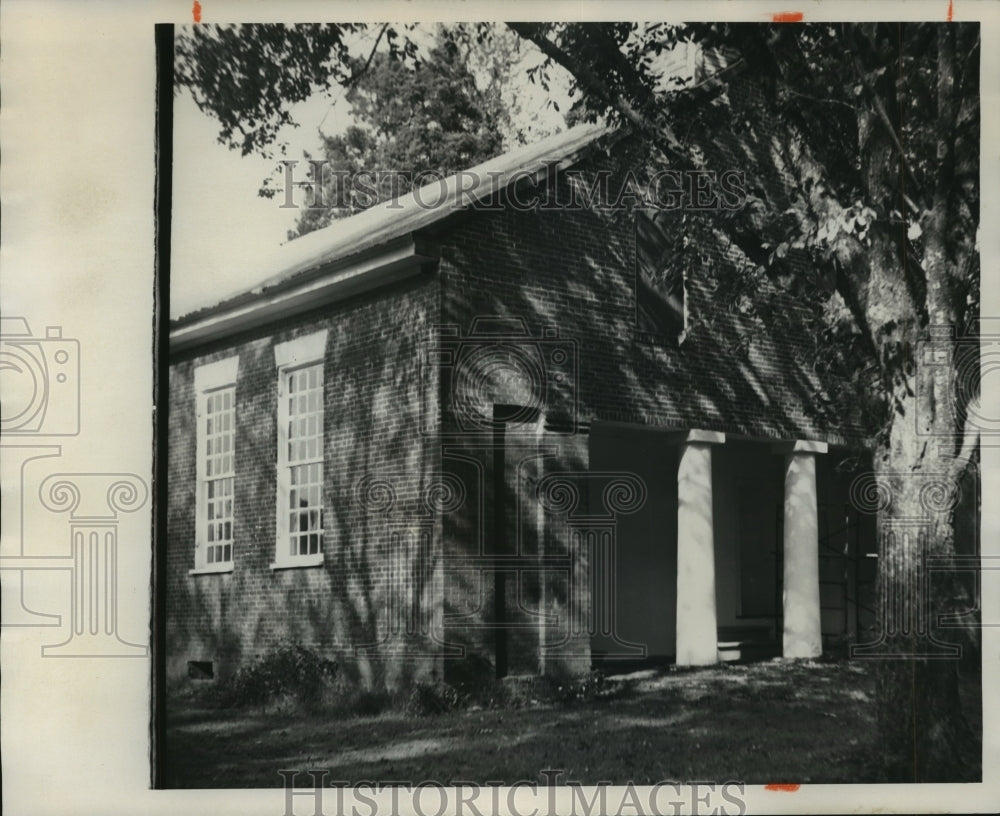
[[408, 118]]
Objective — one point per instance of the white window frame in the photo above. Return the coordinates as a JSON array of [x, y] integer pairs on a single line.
[[209, 380], [290, 357]]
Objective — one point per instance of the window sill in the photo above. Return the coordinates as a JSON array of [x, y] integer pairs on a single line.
[[302, 561], [211, 569]]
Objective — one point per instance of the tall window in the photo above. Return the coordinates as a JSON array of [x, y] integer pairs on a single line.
[[303, 398], [300, 451], [219, 475], [215, 386]]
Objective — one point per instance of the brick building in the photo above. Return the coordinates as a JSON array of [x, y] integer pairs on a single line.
[[510, 417]]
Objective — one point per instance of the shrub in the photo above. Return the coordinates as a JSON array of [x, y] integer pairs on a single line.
[[428, 699], [470, 674], [473, 679], [367, 703], [291, 671], [568, 689]]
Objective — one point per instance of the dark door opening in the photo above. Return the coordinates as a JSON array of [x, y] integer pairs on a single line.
[[502, 548]]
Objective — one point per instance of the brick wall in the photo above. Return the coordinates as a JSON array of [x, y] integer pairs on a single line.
[[375, 398], [573, 272]]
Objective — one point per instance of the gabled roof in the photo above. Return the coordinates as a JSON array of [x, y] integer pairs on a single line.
[[367, 249]]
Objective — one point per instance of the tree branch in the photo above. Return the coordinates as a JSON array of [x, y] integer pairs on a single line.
[[882, 117], [356, 75], [970, 443], [658, 132], [940, 304]]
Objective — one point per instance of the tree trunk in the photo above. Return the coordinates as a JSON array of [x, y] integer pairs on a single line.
[[923, 735]]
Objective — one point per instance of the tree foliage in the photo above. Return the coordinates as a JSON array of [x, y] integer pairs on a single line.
[[883, 121], [249, 77], [409, 118]]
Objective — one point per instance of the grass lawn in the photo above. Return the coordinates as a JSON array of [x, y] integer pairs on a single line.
[[755, 723]]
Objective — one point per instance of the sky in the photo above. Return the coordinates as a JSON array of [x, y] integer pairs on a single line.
[[221, 227]]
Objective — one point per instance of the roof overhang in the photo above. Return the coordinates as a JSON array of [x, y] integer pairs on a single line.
[[382, 266]]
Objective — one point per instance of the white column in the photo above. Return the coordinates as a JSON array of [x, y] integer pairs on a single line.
[[802, 636], [697, 634]]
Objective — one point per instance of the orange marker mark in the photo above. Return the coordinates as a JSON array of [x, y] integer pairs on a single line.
[[787, 17], [774, 786], [196, 11], [951, 11]]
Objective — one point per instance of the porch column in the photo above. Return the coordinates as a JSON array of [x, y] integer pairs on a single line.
[[697, 634], [802, 636]]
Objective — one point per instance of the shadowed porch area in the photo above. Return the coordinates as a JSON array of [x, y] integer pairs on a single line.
[[743, 549]]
